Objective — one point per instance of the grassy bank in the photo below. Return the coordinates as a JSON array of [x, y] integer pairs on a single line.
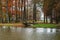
[[44, 25]]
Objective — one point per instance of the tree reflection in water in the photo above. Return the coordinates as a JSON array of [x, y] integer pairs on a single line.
[[18, 33]]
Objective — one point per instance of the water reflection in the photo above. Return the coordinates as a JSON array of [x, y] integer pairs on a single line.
[[39, 29], [18, 33]]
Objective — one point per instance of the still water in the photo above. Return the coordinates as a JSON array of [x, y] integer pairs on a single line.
[[17, 33]]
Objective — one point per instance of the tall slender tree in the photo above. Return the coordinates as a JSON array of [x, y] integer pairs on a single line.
[[57, 10], [48, 8], [34, 10], [0, 11]]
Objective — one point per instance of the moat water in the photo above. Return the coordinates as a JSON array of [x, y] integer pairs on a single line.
[[18, 33]]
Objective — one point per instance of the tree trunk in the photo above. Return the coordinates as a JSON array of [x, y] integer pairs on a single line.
[[16, 11], [56, 17], [34, 12], [0, 11], [24, 14], [44, 18], [51, 21]]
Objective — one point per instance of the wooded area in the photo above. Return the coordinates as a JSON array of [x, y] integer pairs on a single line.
[[22, 10], [51, 10]]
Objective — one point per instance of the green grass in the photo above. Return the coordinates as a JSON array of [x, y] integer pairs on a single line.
[[45, 25]]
